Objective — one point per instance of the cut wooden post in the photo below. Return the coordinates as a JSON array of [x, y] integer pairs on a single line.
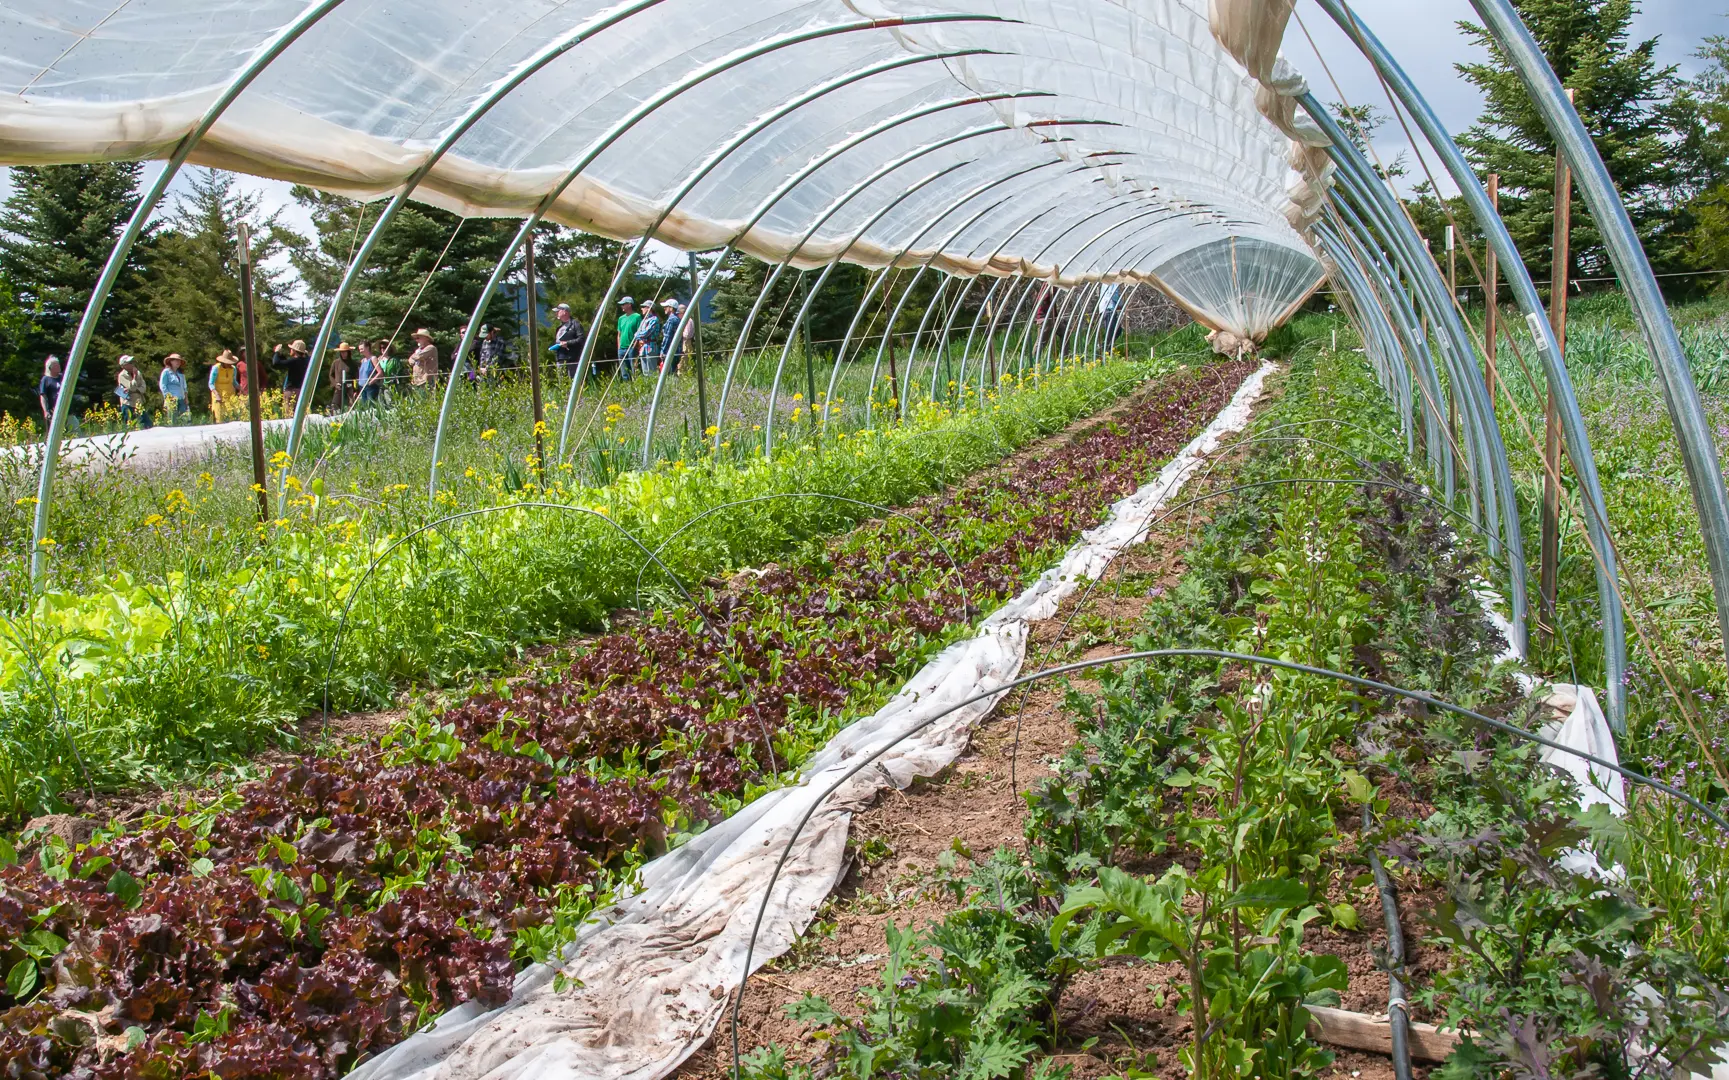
[[534, 365], [894, 378], [1491, 296], [1549, 571], [696, 349], [253, 371], [1355, 1031]]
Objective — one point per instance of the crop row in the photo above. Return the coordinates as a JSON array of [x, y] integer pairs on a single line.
[[324, 912], [218, 651], [1259, 797]]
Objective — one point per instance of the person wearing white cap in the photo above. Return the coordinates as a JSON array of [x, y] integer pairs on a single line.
[[647, 348], [629, 325], [130, 388], [670, 338]]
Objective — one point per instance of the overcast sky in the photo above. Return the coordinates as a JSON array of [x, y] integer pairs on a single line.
[[1422, 33]]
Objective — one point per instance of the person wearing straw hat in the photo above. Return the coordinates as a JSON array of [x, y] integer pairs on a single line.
[[629, 321], [172, 383], [224, 386], [423, 361], [292, 362], [339, 375]]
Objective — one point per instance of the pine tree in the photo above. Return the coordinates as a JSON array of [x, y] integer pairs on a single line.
[[427, 269], [57, 230], [1628, 105], [191, 304], [1710, 209], [18, 371], [575, 268]]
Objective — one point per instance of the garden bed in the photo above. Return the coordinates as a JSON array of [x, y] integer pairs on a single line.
[[303, 922], [1186, 835]]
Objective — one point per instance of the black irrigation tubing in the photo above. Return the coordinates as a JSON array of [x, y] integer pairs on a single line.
[[1398, 1009], [1167, 514], [347, 608], [1158, 654]]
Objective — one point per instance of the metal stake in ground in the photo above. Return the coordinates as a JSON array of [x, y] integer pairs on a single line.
[[1491, 294], [1550, 570], [809, 365], [254, 372], [534, 364]]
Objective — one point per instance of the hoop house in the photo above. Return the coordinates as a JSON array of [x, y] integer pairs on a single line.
[[1007, 176]]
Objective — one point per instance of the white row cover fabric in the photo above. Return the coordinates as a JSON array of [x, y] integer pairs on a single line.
[[1141, 92], [656, 977]]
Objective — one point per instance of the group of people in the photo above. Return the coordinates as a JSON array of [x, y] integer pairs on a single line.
[[130, 388], [648, 340]]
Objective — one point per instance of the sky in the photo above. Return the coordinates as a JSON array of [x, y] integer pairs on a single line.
[[1423, 34]]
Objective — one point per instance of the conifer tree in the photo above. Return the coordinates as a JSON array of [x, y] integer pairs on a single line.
[[428, 268], [1710, 210], [57, 229], [191, 304], [1628, 105]]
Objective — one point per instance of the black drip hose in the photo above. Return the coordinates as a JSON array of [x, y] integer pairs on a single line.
[[1398, 1011]]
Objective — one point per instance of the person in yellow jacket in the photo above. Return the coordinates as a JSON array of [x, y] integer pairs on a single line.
[[225, 388]]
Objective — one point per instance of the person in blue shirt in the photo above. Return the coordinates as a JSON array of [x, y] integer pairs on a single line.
[[669, 336], [172, 383], [646, 347]]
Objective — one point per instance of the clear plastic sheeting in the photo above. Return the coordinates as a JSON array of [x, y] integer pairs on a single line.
[[597, 112], [1244, 283]]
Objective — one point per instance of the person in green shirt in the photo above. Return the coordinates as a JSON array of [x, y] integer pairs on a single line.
[[629, 319]]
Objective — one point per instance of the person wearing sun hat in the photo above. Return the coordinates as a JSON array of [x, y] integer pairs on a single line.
[[292, 362], [339, 375], [224, 385], [172, 383], [423, 361], [629, 321]]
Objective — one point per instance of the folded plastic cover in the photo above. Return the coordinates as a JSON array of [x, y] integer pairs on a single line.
[[1148, 120]]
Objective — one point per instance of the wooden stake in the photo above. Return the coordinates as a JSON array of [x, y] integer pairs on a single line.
[[254, 372], [534, 365], [1491, 296], [696, 349], [1549, 572], [1374, 1034]]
